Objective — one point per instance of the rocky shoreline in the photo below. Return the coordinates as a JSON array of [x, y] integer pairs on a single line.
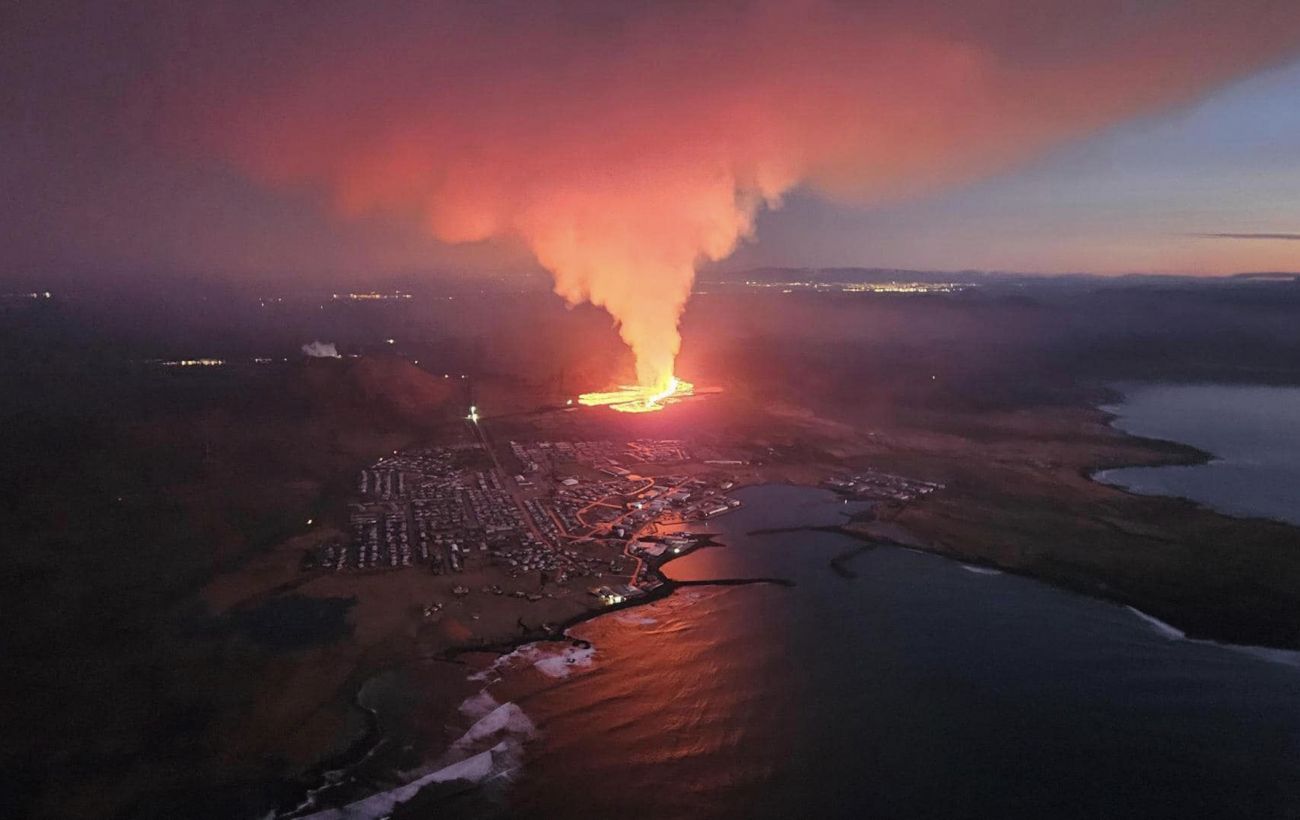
[[337, 769]]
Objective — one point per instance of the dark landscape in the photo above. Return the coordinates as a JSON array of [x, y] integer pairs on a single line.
[[711, 410], [176, 653]]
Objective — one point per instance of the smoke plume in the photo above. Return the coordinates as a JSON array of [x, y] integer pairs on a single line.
[[321, 350], [624, 144]]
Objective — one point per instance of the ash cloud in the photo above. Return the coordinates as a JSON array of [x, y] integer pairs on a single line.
[[623, 144]]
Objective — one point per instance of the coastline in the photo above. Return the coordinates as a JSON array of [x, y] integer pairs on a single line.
[[1113, 449], [1168, 628], [339, 767], [1287, 657], [629, 634], [841, 564], [1185, 620], [1232, 637], [653, 567], [1195, 457], [1167, 555]]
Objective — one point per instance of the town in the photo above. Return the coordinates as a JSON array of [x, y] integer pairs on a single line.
[[874, 485], [534, 513]]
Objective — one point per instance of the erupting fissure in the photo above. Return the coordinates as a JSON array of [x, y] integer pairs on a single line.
[[632, 398]]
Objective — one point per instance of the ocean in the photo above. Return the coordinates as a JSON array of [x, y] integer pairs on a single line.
[[1252, 433], [919, 688]]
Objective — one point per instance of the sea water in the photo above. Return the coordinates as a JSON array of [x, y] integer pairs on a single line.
[[915, 689]]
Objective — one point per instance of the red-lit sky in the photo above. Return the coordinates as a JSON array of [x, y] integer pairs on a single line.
[[349, 138]]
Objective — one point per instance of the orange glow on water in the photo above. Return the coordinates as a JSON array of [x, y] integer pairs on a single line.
[[632, 398]]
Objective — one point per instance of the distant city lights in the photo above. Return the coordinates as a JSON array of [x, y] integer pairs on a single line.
[[864, 287], [372, 296], [44, 294]]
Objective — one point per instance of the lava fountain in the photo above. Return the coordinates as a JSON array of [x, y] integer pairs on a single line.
[[633, 398]]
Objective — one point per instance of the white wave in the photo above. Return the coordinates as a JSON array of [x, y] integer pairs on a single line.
[[1171, 632], [1287, 657], [475, 769], [507, 718], [525, 652], [506, 725], [561, 664], [554, 664], [981, 570], [476, 706]]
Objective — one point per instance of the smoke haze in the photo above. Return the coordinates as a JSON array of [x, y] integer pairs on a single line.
[[623, 145], [320, 350]]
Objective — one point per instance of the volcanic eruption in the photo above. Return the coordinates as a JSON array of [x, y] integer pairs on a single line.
[[624, 144], [636, 398]]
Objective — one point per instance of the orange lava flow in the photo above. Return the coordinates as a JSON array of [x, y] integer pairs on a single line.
[[633, 398]]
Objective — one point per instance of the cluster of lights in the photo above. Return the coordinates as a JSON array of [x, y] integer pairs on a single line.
[[195, 363], [631, 398], [45, 294], [371, 296], [865, 287]]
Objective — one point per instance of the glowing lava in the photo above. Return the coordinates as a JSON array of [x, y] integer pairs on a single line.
[[634, 398]]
